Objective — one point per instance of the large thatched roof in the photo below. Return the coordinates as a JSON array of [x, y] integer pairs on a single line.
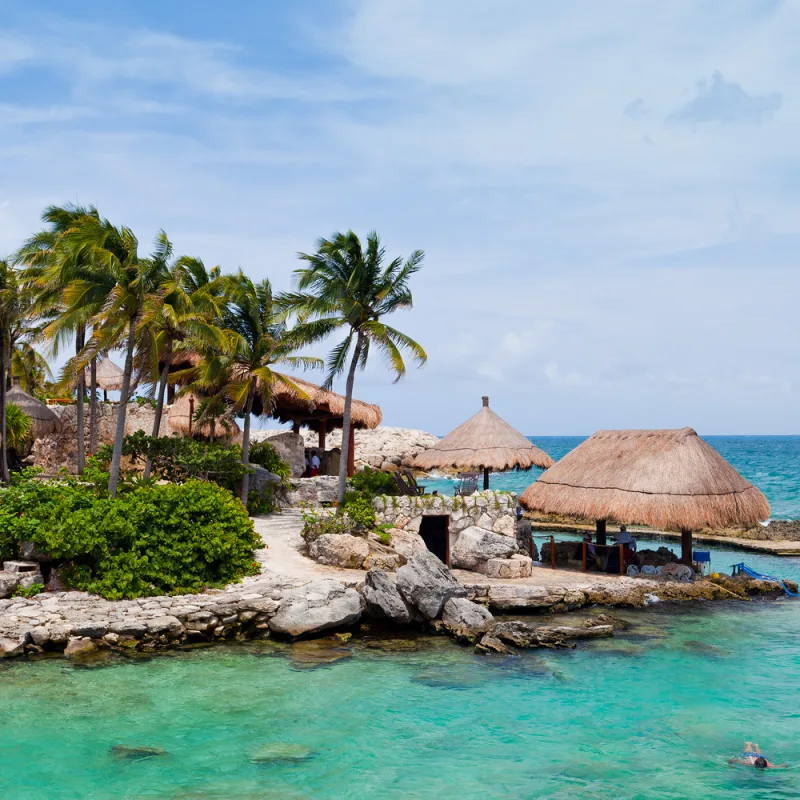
[[484, 440], [317, 406], [667, 479], [179, 414], [43, 420], [109, 375]]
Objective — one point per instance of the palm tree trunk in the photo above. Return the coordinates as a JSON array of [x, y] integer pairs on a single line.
[[80, 342], [93, 406], [346, 422], [3, 454], [213, 423], [162, 387], [248, 410], [122, 410]]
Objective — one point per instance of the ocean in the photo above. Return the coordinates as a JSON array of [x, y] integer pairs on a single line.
[[772, 463]]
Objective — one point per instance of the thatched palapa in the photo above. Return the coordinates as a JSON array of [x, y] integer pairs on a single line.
[[485, 441], [108, 374], [43, 420], [666, 479], [181, 420]]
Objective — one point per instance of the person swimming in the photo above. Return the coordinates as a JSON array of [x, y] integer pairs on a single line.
[[753, 757]]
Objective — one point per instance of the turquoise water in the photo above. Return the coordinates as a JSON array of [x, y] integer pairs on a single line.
[[772, 463], [653, 713]]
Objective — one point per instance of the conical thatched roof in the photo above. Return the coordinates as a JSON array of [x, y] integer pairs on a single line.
[[109, 375], [483, 441], [178, 420], [667, 479], [320, 405], [43, 420]]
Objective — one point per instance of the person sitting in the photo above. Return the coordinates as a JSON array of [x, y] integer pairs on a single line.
[[753, 757], [315, 465]]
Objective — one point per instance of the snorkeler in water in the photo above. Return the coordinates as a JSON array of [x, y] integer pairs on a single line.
[[753, 757]]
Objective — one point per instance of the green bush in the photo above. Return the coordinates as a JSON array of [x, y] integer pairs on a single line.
[[319, 524], [360, 510], [265, 455], [28, 591], [374, 482], [152, 540], [179, 459]]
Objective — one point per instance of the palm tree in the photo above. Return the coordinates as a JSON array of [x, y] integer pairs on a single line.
[[257, 339], [186, 306], [50, 268], [9, 292], [111, 256], [346, 286]]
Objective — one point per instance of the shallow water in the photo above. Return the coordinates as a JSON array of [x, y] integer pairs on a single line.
[[653, 713], [772, 463]]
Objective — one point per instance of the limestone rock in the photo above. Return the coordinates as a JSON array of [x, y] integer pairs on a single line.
[[280, 751], [406, 542], [505, 525], [79, 646], [383, 600], [465, 619], [264, 482], [317, 606], [518, 566], [289, 446], [491, 644], [427, 584], [339, 550], [10, 647], [8, 582], [314, 491], [382, 555], [167, 625], [475, 546]]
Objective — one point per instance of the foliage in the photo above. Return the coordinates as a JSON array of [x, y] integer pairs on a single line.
[[178, 459], [18, 427], [258, 503], [28, 591], [265, 455], [357, 517], [373, 482], [359, 510], [145, 401], [320, 523], [152, 540]]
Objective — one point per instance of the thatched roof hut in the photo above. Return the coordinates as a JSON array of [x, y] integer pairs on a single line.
[[43, 420], [181, 420], [109, 375], [485, 441], [316, 406], [666, 479]]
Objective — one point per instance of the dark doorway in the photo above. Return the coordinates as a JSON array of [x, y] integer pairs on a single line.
[[435, 532]]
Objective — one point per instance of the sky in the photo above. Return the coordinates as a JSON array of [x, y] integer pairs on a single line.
[[607, 191]]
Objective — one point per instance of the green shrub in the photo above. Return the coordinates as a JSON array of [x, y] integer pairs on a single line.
[[374, 482], [265, 455], [152, 540], [178, 459], [318, 524], [359, 510], [28, 591]]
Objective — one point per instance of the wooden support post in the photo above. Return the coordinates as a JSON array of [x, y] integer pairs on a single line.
[[601, 531], [351, 452], [621, 560], [530, 546], [486, 471], [105, 396], [170, 393], [191, 414], [295, 427], [687, 557], [553, 552], [322, 433], [584, 556]]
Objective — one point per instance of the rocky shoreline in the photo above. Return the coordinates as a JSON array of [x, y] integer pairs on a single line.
[[425, 595]]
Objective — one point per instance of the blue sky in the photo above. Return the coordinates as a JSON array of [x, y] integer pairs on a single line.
[[607, 192]]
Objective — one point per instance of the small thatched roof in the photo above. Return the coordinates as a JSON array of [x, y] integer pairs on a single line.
[[179, 414], [667, 479], [43, 420], [319, 406], [109, 375], [483, 441]]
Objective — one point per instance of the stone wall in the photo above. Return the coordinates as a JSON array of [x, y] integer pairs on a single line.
[[492, 511]]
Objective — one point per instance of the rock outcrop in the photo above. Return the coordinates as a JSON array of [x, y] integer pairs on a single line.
[[466, 620], [339, 550], [313, 491], [317, 606], [475, 546], [427, 584], [383, 600], [289, 446]]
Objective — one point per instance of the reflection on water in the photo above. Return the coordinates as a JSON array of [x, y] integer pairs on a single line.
[[653, 712]]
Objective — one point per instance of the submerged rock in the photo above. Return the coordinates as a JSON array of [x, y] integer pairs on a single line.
[[136, 753], [427, 584], [317, 606], [317, 653], [280, 751]]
